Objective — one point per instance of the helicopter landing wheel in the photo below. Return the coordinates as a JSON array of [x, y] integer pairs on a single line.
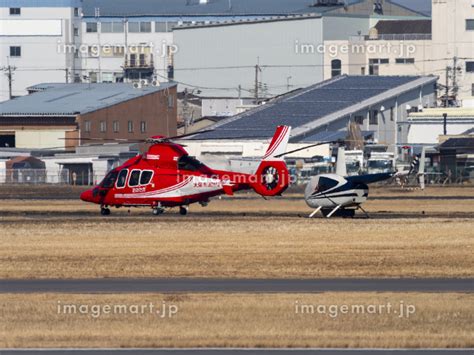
[[104, 211], [158, 211], [183, 210]]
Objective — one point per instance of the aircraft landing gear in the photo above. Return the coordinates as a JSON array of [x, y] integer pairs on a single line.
[[104, 211], [183, 210], [157, 211]]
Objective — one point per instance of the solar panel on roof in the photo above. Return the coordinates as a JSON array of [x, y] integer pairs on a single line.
[[306, 106]]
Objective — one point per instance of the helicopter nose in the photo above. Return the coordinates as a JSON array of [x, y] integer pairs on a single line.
[[86, 196]]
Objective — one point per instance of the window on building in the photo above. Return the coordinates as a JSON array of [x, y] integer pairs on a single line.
[[15, 11], [142, 126], [76, 31], [359, 119], [76, 53], [336, 65], [374, 65], [76, 12], [472, 90], [362, 70], [165, 26], [112, 27], [374, 117], [91, 27], [139, 27], [469, 67], [77, 78], [87, 126], [145, 26], [130, 126], [103, 126], [134, 27], [170, 101], [116, 126], [92, 77], [405, 60], [392, 114], [470, 25], [15, 51]]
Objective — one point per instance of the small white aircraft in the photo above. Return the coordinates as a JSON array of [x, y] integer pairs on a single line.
[[338, 194]]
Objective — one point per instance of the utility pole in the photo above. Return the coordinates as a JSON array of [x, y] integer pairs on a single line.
[[451, 73], [446, 94], [456, 69], [257, 68], [67, 75], [185, 111], [9, 73]]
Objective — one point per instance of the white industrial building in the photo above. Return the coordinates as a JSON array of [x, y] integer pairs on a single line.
[[266, 57], [111, 41], [30, 35], [426, 126], [420, 47]]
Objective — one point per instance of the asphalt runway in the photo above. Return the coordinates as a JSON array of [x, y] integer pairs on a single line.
[[215, 351], [175, 285], [145, 215]]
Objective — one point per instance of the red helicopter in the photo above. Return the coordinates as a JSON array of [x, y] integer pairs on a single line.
[[166, 176]]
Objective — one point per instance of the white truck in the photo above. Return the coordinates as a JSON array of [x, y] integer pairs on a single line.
[[380, 162]]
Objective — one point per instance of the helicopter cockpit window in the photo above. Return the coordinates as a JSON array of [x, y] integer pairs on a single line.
[[189, 163], [122, 178], [146, 177], [109, 180], [134, 178], [326, 184]]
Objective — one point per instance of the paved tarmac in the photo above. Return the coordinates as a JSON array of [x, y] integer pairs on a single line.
[[214, 351], [171, 285]]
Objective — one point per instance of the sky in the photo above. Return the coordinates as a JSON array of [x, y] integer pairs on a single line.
[[418, 5]]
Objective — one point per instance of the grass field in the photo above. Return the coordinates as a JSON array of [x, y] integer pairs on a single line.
[[246, 238], [229, 320]]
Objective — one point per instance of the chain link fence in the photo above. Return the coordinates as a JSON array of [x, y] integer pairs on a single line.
[[34, 176]]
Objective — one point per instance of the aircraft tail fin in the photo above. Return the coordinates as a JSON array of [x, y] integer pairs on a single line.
[[278, 144], [272, 177], [341, 168]]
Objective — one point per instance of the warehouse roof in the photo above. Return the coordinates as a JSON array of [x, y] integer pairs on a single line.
[[308, 110], [210, 8], [56, 99], [459, 143], [403, 27]]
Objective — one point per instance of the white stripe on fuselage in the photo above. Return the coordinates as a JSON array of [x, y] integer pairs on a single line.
[[191, 186]]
